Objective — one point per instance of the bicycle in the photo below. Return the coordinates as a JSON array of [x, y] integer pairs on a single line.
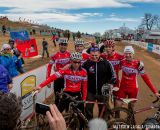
[[153, 121], [131, 112], [73, 114], [36, 121]]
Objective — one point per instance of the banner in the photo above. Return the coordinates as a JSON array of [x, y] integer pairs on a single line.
[[23, 86], [28, 48], [21, 35], [150, 47]]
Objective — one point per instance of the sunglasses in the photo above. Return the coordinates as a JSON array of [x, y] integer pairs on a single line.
[[7, 49], [94, 49], [63, 44], [76, 62]]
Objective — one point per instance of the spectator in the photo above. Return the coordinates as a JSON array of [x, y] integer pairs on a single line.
[[45, 48], [9, 61], [5, 80], [74, 36], [10, 111], [100, 72], [4, 30], [55, 118], [57, 122], [97, 124], [93, 45], [34, 31], [59, 34], [68, 35], [54, 38], [18, 54]]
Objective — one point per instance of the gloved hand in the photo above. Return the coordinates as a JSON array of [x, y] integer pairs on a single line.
[[140, 66]]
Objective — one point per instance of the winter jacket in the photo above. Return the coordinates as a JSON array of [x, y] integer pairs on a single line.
[[99, 73], [5, 79], [10, 63]]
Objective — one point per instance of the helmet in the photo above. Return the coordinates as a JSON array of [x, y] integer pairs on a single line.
[[129, 49], [79, 42], [63, 40], [76, 56], [109, 43]]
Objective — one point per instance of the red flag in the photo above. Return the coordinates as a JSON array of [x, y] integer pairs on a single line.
[[28, 48]]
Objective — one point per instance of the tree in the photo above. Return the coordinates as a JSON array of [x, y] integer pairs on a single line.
[[78, 34], [97, 34], [106, 35], [149, 21]]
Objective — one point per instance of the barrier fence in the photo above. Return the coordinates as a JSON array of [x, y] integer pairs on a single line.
[[23, 86], [150, 47]]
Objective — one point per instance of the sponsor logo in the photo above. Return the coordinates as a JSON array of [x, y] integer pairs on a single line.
[[91, 69], [62, 61], [129, 70], [115, 62], [74, 78], [27, 86]]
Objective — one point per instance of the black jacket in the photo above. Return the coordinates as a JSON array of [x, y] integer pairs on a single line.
[[102, 49], [45, 45], [99, 73]]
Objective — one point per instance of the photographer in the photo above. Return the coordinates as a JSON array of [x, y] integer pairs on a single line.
[[10, 110], [55, 118]]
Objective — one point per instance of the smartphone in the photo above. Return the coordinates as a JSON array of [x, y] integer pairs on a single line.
[[42, 108]]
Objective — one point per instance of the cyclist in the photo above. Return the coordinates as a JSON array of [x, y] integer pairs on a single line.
[[100, 72], [59, 59], [75, 78], [114, 57], [79, 47], [130, 70], [75, 82]]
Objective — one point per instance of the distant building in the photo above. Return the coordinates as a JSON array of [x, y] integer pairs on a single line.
[[152, 37]]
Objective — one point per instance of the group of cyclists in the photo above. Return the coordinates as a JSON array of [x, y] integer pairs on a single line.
[[83, 74]]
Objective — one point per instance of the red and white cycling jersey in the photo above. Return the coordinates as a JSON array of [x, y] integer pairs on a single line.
[[60, 60], [75, 81], [115, 61], [85, 57], [129, 79]]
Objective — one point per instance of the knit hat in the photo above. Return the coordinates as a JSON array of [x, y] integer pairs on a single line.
[[5, 46], [128, 49]]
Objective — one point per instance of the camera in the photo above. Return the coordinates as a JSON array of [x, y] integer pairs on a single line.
[[42, 108]]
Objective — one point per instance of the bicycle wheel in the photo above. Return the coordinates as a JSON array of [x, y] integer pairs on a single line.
[[119, 112], [117, 124], [72, 122], [42, 123]]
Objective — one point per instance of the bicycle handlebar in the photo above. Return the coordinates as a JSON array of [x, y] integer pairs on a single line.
[[157, 99], [72, 99], [34, 93]]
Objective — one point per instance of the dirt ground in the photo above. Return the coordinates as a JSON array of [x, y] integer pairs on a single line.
[[152, 67]]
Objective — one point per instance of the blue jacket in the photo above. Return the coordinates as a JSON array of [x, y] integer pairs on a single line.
[[10, 63], [5, 79]]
